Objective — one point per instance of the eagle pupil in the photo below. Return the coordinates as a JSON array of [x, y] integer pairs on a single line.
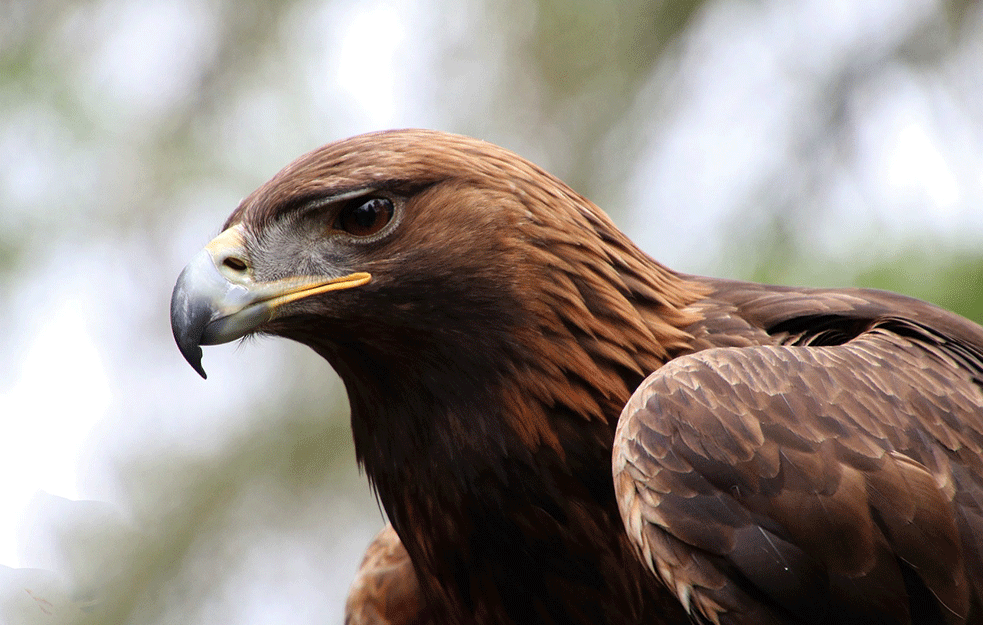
[[366, 216]]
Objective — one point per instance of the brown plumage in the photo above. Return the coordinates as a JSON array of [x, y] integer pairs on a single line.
[[779, 455], [385, 589]]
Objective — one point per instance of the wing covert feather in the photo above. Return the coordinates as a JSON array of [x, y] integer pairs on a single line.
[[385, 590], [810, 484]]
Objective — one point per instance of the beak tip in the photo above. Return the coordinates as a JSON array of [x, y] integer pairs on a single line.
[[190, 349], [188, 319], [193, 356]]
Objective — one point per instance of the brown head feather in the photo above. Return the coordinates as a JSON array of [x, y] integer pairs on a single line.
[[596, 312], [506, 324]]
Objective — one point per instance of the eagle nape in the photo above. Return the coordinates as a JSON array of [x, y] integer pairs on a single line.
[[217, 298]]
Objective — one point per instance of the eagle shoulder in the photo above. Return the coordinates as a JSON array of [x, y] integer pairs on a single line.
[[806, 481]]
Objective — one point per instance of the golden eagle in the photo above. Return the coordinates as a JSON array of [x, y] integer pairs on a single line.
[[563, 430]]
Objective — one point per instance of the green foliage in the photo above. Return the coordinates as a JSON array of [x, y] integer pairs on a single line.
[[953, 282]]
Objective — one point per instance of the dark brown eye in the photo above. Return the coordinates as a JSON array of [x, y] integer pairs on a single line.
[[365, 216]]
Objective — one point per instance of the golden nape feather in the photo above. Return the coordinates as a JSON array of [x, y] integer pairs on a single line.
[[562, 430]]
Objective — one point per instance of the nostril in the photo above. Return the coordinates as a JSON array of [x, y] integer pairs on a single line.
[[235, 264]]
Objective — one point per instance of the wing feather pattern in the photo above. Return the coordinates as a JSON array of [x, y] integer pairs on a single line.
[[813, 484], [385, 590]]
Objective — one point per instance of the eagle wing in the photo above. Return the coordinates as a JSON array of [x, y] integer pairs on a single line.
[[816, 484], [385, 590]]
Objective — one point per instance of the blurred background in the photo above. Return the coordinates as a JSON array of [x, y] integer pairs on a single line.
[[819, 142]]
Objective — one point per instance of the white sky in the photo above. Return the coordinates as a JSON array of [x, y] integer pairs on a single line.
[[747, 68], [59, 392]]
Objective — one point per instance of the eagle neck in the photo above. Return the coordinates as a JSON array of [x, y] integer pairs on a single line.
[[499, 476]]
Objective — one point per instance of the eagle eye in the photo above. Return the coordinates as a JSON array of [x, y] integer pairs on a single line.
[[363, 217]]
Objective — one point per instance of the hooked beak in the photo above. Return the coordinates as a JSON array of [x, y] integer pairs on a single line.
[[217, 299]]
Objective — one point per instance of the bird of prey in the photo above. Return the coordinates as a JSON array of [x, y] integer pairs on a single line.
[[563, 430]]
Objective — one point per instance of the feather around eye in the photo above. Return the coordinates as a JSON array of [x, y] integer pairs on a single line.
[[364, 217]]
